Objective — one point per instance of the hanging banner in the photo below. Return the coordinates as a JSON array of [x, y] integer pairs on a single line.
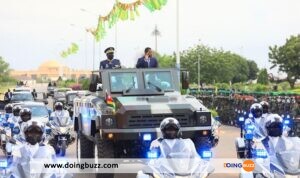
[[124, 11], [71, 50]]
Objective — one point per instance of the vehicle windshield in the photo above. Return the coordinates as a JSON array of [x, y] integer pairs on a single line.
[[63, 122], [158, 80], [120, 81], [71, 98], [60, 94], [38, 111], [22, 97]]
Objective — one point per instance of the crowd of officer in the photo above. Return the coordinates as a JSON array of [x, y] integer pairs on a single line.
[[229, 107]]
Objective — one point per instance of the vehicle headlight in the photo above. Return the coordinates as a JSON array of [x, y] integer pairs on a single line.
[[63, 129], [109, 122], [3, 164], [202, 119]]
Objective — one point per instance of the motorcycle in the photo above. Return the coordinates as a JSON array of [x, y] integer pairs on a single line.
[[248, 136], [61, 134], [7, 132], [282, 164], [3, 125], [179, 162]]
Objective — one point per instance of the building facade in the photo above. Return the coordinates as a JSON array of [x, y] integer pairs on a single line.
[[50, 70]]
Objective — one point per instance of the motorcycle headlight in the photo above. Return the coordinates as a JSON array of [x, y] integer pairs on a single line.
[[63, 129], [16, 130], [3, 164], [261, 153], [241, 119]]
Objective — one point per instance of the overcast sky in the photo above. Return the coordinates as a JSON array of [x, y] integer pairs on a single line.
[[33, 31]]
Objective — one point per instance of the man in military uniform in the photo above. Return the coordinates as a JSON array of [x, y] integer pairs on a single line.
[[110, 62]]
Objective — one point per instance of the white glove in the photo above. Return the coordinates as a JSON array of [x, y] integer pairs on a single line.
[[154, 144]]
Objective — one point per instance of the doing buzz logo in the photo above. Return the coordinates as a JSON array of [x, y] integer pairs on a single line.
[[247, 165]]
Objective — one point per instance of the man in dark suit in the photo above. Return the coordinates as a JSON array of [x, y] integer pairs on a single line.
[[147, 61], [110, 62], [8, 95]]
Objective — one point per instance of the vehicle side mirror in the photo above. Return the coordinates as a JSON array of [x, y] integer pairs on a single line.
[[2, 105], [44, 96], [99, 87], [93, 87], [95, 79], [49, 111], [48, 124], [185, 79]]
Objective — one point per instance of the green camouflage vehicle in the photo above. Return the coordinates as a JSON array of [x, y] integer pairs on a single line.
[[122, 115]]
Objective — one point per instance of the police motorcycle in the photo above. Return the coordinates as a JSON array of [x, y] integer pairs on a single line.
[[172, 156], [16, 138], [14, 128], [62, 131], [251, 131], [5, 128], [276, 156], [31, 154]]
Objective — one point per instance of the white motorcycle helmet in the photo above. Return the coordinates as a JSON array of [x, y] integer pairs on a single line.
[[256, 110], [25, 114], [170, 128], [265, 105], [274, 125], [34, 132], [16, 110]]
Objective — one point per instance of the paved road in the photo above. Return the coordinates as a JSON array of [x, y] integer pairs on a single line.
[[225, 148]]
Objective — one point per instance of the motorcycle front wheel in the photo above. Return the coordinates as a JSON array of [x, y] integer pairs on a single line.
[[63, 148]]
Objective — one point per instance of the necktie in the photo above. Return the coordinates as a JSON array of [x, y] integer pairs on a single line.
[[148, 61]]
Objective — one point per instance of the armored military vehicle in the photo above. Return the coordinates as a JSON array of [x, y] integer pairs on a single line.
[[123, 115]]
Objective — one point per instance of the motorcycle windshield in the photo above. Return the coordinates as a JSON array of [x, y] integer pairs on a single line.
[[178, 158], [62, 121]]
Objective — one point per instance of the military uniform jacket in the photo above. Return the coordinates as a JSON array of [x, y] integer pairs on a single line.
[[113, 64]]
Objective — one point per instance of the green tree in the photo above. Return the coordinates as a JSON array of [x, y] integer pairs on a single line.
[[287, 58], [215, 65], [166, 61], [4, 68], [240, 68], [253, 70], [263, 77]]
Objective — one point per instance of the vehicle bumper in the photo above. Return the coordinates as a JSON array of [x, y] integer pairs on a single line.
[[134, 134]]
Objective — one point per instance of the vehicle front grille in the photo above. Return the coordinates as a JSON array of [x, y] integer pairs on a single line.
[[154, 120]]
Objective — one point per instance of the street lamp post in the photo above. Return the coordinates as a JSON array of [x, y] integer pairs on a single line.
[[156, 33], [94, 40], [199, 82], [199, 72], [177, 36]]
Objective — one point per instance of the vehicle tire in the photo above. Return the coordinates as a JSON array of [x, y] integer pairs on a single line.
[[240, 154], [86, 147], [57, 150], [63, 148], [105, 149]]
